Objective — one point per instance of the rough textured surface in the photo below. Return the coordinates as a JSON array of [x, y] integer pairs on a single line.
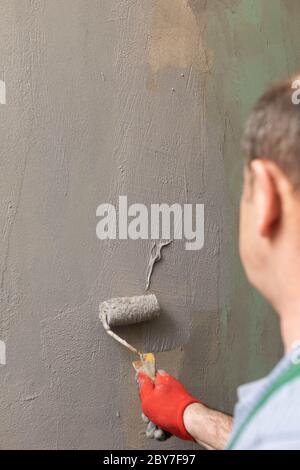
[[147, 99]]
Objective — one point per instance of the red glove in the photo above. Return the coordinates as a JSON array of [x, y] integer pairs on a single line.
[[164, 402]]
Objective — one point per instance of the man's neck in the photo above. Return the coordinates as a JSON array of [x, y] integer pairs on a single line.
[[285, 291], [290, 326]]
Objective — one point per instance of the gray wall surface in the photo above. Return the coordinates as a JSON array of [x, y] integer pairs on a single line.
[[144, 98]]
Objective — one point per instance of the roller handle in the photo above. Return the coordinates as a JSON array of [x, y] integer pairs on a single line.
[[120, 340]]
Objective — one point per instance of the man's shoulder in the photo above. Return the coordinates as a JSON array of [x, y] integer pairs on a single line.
[[286, 399], [277, 423], [279, 420]]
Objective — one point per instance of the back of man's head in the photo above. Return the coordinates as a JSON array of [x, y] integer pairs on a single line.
[[270, 205], [273, 128]]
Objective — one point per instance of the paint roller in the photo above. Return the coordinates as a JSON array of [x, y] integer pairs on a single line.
[[123, 311]]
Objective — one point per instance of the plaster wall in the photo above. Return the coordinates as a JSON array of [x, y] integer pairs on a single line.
[[146, 99]]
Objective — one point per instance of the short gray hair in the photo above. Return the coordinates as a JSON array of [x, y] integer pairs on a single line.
[[273, 130]]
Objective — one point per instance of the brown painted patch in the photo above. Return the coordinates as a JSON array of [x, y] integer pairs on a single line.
[[176, 39]]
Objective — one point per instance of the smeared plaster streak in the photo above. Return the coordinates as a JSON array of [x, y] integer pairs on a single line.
[[32, 397], [155, 257]]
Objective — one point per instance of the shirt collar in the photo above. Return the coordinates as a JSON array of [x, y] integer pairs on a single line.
[[293, 357], [250, 393]]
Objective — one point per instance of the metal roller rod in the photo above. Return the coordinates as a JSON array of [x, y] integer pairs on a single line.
[[118, 338]]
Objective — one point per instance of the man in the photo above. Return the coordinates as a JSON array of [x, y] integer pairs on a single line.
[[267, 415]]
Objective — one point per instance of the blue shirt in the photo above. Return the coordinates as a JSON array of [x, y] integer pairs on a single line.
[[276, 426]]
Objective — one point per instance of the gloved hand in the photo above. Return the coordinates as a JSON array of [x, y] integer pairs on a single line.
[[164, 402], [154, 432]]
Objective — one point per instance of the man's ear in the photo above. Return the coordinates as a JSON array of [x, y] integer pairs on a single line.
[[266, 196]]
